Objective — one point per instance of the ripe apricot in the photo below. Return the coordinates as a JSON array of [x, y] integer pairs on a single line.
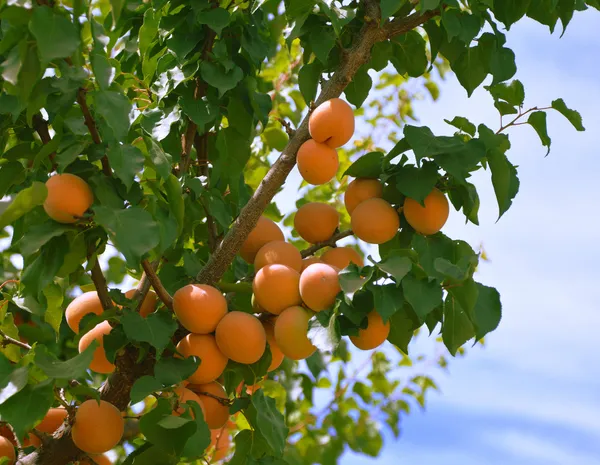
[[276, 353], [374, 334], [361, 189], [276, 288], [88, 302], [100, 363], [250, 389], [183, 396], [31, 440], [7, 433], [52, 421], [319, 284], [291, 330], [265, 231], [199, 307], [241, 337], [332, 123], [341, 257], [309, 261], [219, 439], [375, 221], [205, 347], [99, 459], [69, 197], [317, 163], [430, 218], [278, 252], [149, 303], [216, 413], [316, 222], [98, 427], [7, 450]]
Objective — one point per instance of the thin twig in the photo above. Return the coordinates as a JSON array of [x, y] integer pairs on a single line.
[[288, 127], [143, 287], [7, 340], [91, 125], [101, 285], [519, 116], [160, 290], [9, 281], [328, 243]]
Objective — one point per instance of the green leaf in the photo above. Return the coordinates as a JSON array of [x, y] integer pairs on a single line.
[[425, 144], [267, 421], [513, 93], [573, 116], [28, 406], [199, 111], [389, 7], [367, 166], [168, 432], [417, 183], [388, 300], [114, 107], [133, 231], [422, 295], [159, 158], [351, 279], [215, 18], [275, 138], [143, 387], [463, 124], [54, 311], [148, 30], [175, 200], [70, 369], [39, 273], [409, 54], [321, 40], [460, 163], [23, 203], [502, 64], [537, 119], [56, 36], [456, 328], [504, 179], [510, 11], [40, 234], [200, 440], [127, 161], [401, 329], [11, 173], [308, 80], [487, 313], [358, 89], [396, 264], [170, 371], [505, 108], [11, 351], [12, 381], [156, 329], [117, 7], [216, 76], [449, 269], [427, 5], [471, 68]]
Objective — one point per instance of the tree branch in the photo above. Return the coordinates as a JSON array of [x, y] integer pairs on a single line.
[[101, 286], [328, 243], [161, 292], [403, 25], [143, 287], [91, 125], [6, 340]]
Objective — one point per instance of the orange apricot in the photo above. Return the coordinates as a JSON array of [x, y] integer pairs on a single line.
[[96, 459], [199, 307], [220, 440], [7, 450], [361, 189], [265, 231], [375, 221], [216, 413], [52, 420], [276, 288], [428, 219], [69, 197], [88, 302], [317, 163], [7, 433], [319, 285], [212, 360], [149, 303], [374, 334], [31, 440], [98, 426], [250, 389], [341, 257], [278, 252], [316, 222], [183, 396], [241, 337], [100, 363], [276, 353], [309, 261], [332, 123], [290, 332]]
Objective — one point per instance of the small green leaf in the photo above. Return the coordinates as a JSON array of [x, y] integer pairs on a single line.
[[417, 183], [54, 311], [573, 116], [275, 138], [422, 295], [127, 161], [409, 54], [28, 406], [200, 440], [510, 11], [308, 80], [215, 18], [537, 119], [165, 431], [456, 328], [175, 200], [351, 279], [216, 76], [23, 203], [40, 234], [12, 381], [117, 7], [267, 421], [396, 264], [148, 30], [11, 173], [39, 273], [322, 40], [156, 329], [388, 300], [170, 371], [513, 93], [143, 387], [367, 166], [504, 179], [401, 329], [487, 313], [159, 158], [70, 369], [471, 68], [463, 124], [358, 89], [114, 107], [199, 111], [56, 36]]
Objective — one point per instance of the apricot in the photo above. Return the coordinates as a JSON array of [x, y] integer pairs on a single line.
[[276, 288], [31, 440], [341, 257], [100, 459], [250, 389], [7, 433], [317, 163], [332, 123], [86, 303], [375, 221], [100, 363], [264, 232], [7, 450], [374, 334], [149, 303], [316, 222], [361, 189], [319, 285], [241, 337], [290, 332], [432, 217], [98, 427], [216, 413], [219, 439], [69, 197], [52, 421], [199, 307], [183, 396], [280, 253], [276, 353], [309, 261], [205, 347]]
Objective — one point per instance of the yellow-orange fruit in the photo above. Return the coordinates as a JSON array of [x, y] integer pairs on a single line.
[[69, 197], [291, 330], [31, 440], [375, 221], [250, 389], [100, 459], [205, 347], [7, 450], [149, 303], [183, 396], [100, 363], [215, 413], [332, 123], [430, 218], [317, 163], [7, 433], [278, 253], [199, 307], [241, 337], [374, 334], [276, 353], [309, 261], [98, 427], [316, 222], [319, 284], [219, 439], [276, 288], [88, 302], [341, 257], [264, 232], [361, 189], [52, 421]]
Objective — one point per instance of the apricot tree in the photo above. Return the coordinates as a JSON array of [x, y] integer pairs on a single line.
[[146, 141]]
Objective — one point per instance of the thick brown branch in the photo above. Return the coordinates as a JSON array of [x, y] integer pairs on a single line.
[[143, 287], [101, 285], [328, 243], [402, 25], [91, 125], [161, 292]]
